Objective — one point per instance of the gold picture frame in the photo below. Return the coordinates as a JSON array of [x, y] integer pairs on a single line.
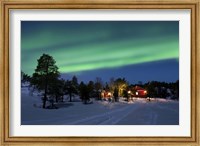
[[7, 5]]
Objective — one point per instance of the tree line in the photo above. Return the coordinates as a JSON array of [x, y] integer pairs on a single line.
[[46, 79]]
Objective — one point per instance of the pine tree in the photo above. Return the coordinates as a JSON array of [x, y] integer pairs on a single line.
[[91, 88], [75, 81], [25, 77], [46, 73], [81, 90], [84, 92], [56, 90], [98, 85], [70, 89], [115, 94]]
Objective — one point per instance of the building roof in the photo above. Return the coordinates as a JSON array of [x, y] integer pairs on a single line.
[[139, 88]]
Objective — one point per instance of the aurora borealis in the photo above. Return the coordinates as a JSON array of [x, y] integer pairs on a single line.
[[104, 48]]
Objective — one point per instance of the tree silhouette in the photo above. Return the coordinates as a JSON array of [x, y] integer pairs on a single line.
[[115, 94], [75, 82], [91, 88], [84, 92], [46, 73], [25, 77], [70, 89], [98, 85], [57, 89]]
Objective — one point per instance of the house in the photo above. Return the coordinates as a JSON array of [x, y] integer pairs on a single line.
[[139, 92], [106, 94]]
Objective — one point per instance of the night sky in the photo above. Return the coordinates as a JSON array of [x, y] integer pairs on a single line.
[[137, 50]]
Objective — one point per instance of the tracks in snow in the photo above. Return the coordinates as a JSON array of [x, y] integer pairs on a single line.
[[108, 118]]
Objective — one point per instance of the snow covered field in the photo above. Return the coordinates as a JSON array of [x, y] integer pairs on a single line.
[[139, 112]]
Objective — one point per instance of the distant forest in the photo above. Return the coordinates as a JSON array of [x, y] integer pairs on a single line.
[[46, 80]]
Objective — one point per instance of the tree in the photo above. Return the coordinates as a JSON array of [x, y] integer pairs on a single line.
[[70, 89], [57, 89], [81, 88], [152, 89], [91, 88], [177, 89], [115, 94], [45, 75], [111, 85], [120, 84], [98, 85], [84, 92], [107, 88], [75, 82], [25, 77]]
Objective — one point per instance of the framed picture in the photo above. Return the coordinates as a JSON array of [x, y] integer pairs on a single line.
[[100, 72]]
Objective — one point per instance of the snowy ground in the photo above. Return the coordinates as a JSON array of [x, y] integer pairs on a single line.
[[139, 112]]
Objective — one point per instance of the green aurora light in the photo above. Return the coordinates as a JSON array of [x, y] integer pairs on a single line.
[[87, 45]]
